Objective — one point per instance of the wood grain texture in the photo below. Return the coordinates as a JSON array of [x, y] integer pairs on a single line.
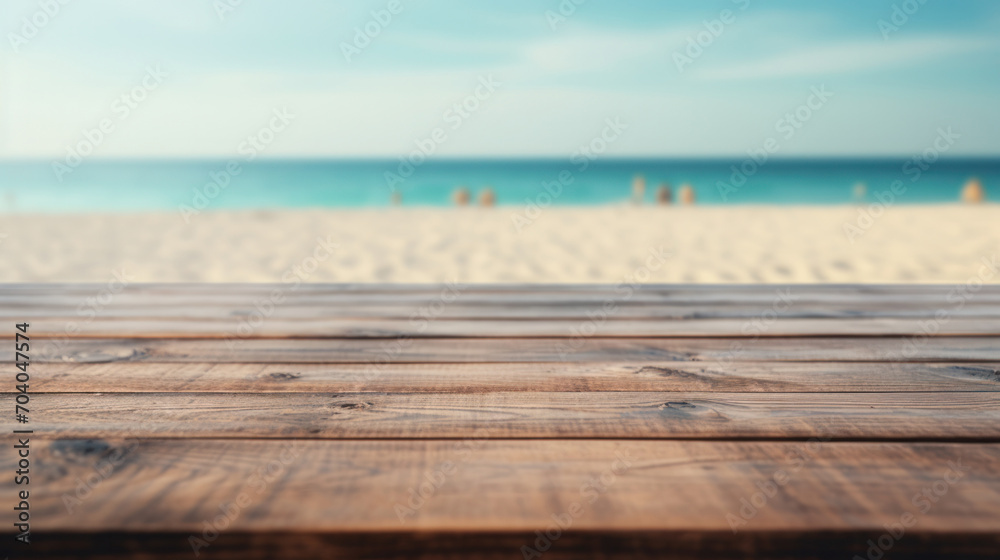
[[601, 324], [751, 377], [954, 298], [647, 415], [204, 311], [623, 310], [352, 486], [468, 302], [499, 350], [424, 421]]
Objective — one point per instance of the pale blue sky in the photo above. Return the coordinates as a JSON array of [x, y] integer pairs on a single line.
[[225, 76]]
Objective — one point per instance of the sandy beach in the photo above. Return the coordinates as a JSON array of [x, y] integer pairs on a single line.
[[939, 244]]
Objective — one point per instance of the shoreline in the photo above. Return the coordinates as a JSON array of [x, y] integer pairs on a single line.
[[501, 206]]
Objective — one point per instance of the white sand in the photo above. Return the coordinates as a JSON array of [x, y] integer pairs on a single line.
[[942, 244]]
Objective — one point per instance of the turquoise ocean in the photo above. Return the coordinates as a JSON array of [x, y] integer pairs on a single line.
[[123, 186]]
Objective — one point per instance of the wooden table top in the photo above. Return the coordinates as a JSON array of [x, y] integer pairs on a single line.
[[493, 421]]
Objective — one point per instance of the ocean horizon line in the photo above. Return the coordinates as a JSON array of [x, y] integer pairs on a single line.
[[945, 158]]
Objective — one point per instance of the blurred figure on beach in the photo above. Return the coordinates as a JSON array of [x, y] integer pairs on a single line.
[[972, 192], [487, 198], [461, 196], [860, 191], [638, 189], [663, 194], [686, 194]]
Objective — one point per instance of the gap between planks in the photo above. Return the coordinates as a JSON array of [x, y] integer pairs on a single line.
[[536, 349]]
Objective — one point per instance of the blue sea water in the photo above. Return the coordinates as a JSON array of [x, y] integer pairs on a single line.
[[31, 186]]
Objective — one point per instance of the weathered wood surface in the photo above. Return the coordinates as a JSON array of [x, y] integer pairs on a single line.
[[281, 311], [508, 485], [646, 415], [601, 324], [643, 303], [501, 350], [212, 310], [652, 375], [154, 414]]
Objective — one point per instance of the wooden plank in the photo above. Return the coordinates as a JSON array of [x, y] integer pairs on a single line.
[[352, 486], [946, 296], [899, 300], [648, 415], [498, 350], [390, 299], [789, 377], [625, 310], [396, 328]]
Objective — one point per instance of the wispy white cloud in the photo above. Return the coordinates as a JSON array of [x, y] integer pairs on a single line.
[[596, 50], [584, 49], [847, 56]]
